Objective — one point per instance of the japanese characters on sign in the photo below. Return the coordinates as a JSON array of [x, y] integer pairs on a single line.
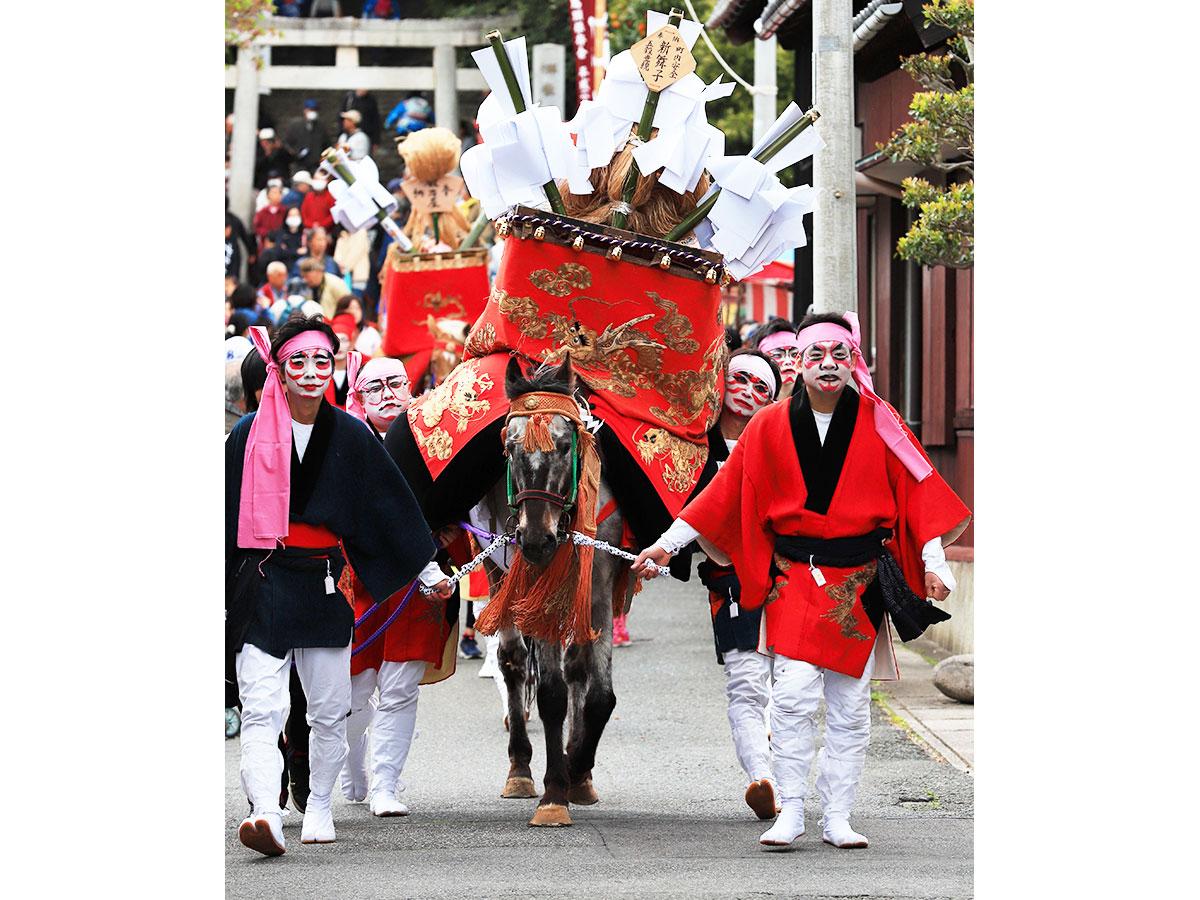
[[663, 58], [433, 196]]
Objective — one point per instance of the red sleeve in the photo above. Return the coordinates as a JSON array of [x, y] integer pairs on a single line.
[[727, 514]]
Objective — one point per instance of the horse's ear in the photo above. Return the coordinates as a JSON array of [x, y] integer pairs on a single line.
[[565, 374], [514, 377]]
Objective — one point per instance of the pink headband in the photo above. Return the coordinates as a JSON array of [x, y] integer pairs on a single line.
[[777, 340], [267, 471], [358, 375], [887, 423], [757, 366]]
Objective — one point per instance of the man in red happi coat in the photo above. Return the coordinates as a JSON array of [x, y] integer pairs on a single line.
[[834, 518]]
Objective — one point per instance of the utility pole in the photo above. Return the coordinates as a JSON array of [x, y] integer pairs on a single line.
[[834, 250], [764, 86], [245, 136]]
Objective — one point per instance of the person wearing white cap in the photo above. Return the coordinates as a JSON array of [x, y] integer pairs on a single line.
[[301, 185], [273, 159], [353, 139]]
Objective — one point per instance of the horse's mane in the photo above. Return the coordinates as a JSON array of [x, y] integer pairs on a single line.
[[545, 378]]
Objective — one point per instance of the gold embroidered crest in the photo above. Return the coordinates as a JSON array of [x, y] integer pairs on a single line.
[[684, 459], [689, 393], [569, 277], [844, 595]]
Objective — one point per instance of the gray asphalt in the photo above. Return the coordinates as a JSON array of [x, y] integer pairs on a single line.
[[670, 823]]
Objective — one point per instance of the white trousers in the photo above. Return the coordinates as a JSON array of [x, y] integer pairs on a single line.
[[799, 687], [362, 710], [263, 684], [393, 724], [747, 692]]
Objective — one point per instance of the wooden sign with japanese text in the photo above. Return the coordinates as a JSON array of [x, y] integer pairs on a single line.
[[663, 58], [432, 196]]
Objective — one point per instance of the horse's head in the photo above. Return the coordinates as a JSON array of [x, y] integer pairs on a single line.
[[543, 460]]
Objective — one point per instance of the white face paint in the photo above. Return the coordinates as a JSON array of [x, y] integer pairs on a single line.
[[827, 366], [306, 373], [384, 399], [788, 360], [745, 393]]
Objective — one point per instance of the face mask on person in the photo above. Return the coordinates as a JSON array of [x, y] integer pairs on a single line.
[[826, 366], [293, 222], [318, 184], [310, 115]]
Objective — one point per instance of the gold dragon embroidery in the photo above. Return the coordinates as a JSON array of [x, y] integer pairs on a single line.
[[689, 393], [604, 357], [461, 396], [482, 340], [673, 326], [442, 307], [522, 312], [684, 458], [844, 595]]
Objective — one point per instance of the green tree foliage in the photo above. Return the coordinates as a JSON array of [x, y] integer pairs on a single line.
[[245, 21], [941, 136]]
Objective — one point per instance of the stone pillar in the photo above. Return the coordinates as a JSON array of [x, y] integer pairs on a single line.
[[834, 219], [764, 77], [445, 90], [245, 137]]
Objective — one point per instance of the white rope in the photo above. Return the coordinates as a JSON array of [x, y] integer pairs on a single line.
[[720, 59], [576, 536]]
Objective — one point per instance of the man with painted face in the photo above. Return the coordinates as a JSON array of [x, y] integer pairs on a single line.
[[838, 535], [752, 382], [778, 340], [306, 489], [397, 660]]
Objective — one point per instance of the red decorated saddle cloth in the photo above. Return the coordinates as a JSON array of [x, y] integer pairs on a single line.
[[646, 340], [418, 288]]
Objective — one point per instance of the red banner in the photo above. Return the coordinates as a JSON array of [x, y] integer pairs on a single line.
[[420, 287], [646, 341], [581, 45]]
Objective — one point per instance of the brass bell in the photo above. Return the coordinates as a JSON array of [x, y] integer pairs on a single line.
[[711, 276], [615, 253], [502, 228], [578, 242], [665, 262], [539, 233]]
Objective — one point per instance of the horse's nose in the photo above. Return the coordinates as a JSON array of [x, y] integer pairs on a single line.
[[539, 549]]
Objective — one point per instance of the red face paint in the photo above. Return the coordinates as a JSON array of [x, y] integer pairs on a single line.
[[745, 394], [306, 373], [788, 360], [827, 366]]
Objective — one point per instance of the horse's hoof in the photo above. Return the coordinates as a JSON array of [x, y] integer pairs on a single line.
[[551, 815], [517, 788], [583, 794]]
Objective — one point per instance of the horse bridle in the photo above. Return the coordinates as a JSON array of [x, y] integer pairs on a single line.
[[564, 503]]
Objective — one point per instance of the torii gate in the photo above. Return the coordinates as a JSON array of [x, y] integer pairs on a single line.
[[444, 77]]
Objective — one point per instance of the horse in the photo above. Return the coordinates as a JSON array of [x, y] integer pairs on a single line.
[[573, 686]]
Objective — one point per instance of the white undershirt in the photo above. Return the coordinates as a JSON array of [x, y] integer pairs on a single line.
[[339, 375], [300, 435], [933, 554]]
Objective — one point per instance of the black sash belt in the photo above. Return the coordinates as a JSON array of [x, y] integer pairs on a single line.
[[910, 614]]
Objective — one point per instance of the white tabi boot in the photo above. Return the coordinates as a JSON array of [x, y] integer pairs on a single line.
[[836, 786], [392, 733], [263, 832], [491, 661], [318, 823]]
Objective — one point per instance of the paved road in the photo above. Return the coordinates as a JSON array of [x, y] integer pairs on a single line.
[[671, 821]]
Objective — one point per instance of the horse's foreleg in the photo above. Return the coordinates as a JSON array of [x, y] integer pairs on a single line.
[[513, 659], [552, 707], [593, 668]]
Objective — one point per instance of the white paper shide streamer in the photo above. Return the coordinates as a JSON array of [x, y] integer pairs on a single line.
[[756, 218], [685, 140], [520, 151], [358, 204]]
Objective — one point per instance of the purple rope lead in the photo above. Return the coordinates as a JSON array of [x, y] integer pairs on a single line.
[[478, 532], [390, 619]]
